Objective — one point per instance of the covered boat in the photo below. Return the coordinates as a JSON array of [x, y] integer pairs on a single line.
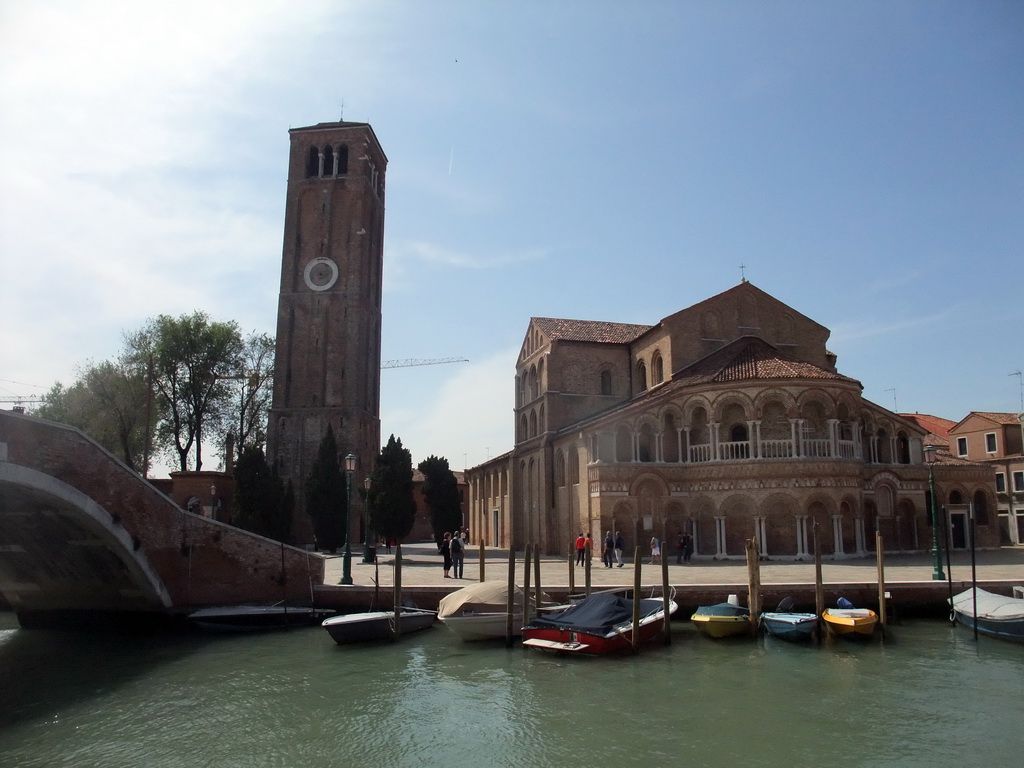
[[722, 619], [996, 615], [597, 625], [480, 611], [376, 625], [254, 618], [847, 621]]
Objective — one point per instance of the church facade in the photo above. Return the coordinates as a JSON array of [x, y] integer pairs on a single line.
[[727, 420]]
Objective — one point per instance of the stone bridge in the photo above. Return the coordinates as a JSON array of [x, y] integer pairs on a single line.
[[83, 537]]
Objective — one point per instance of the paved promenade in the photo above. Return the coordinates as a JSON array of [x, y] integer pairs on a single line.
[[422, 567]]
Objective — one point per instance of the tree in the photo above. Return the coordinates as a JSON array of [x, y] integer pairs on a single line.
[[326, 498], [262, 503], [191, 359], [441, 492], [107, 402], [390, 505], [254, 391]]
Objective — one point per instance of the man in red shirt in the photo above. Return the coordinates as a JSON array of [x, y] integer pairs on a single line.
[[581, 549]]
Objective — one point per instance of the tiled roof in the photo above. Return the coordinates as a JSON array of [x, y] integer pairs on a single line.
[[998, 418], [938, 427], [752, 358], [589, 330]]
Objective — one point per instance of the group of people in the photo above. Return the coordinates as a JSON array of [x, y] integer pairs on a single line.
[[453, 549]]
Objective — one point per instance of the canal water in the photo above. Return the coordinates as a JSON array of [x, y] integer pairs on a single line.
[[928, 696]]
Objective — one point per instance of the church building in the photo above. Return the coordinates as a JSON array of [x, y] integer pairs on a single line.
[[728, 420]]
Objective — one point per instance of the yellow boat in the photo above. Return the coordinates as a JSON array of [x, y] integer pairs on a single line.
[[850, 622], [722, 620]]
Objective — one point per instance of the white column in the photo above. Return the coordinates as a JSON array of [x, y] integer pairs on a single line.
[[757, 439], [792, 436], [833, 437], [858, 533], [679, 445], [659, 452], [713, 431], [837, 534], [751, 451], [720, 542], [762, 536], [686, 453], [801, 535]]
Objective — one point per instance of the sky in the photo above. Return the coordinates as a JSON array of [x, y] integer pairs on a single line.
[[593, 160]]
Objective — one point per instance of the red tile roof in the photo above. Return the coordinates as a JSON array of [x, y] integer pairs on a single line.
[[589, 330], [752, 358], [938, 427], [998, 418]]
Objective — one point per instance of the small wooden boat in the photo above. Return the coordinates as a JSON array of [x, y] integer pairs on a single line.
[[376, 625], [480, 611], [996, 615], [787, 624], [847, 621], [597, 625], [255, 618], [722, 620]]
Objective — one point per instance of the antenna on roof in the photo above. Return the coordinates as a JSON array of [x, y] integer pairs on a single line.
[[1020, 380], [342, 118], [894, 408]]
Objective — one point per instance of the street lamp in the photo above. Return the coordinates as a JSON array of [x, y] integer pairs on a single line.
[[346, 560], [937, 574], [370, 543]]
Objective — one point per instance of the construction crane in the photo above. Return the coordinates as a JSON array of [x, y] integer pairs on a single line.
[[409, 362]]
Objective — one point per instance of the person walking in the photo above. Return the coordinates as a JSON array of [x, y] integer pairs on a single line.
[[458, 552], [620, 546], [445, 550], [687, 547], [655, 550], [581, 548], [609, 550], [679, 548]]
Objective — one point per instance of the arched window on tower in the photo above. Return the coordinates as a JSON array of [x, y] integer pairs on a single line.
[[641, 376], [328, 161], [606, 382], [312, 163], [342, 159], [657, 369]]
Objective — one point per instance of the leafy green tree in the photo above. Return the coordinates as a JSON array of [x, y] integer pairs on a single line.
[[262, 503], [441, 492], [254, 387], [390, 505], [107, 402], [191, 359], [326, 500]]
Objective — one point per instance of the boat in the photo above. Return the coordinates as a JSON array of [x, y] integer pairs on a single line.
[[255, 618], [996, 615], [787, 624], [722, 619], [376, 625], [597, 625], [480, 611], [847, 621]]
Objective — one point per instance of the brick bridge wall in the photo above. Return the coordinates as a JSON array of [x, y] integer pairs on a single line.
[[200, 561]]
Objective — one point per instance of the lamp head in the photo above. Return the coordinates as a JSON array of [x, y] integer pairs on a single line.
[[350, 463]]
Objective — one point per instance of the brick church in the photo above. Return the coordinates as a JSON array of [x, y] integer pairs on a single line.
[[727, 420]]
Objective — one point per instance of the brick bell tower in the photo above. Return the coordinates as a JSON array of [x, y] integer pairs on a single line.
[[327, 368]]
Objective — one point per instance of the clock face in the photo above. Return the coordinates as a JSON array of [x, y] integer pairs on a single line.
[[320, 274]]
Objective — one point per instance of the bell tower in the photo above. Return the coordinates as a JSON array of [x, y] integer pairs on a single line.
[[327, 368]]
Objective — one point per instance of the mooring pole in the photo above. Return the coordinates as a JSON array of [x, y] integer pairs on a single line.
[[638, 564], [510, 600]]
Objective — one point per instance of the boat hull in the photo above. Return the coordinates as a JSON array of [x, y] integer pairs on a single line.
[[375, 626], [850, 622], [997, 616], [792, 627], [722, 620], [483, 626], [254, 618]]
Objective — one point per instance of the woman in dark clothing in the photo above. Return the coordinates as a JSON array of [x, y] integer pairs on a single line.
[[446, 551]]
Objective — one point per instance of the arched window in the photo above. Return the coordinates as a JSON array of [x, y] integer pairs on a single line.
[[606, 382], [981, 508], [955, 497], [533, 423], [342, 159], [312, 163], [657, 369], [559, 469], [574, 467], [641, 376], [328, 161]]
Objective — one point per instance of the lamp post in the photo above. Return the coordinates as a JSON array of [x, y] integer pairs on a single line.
[[346, 560], [370, 543], [937, 574]]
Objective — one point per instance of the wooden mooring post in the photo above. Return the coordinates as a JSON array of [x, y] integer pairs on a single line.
[[666, 598], [572, 570], [510, 600], [880, 557], [819, 589], [527, 554], [753, 584], [396, 628], [536, 578], [483, 560], [637, 565]]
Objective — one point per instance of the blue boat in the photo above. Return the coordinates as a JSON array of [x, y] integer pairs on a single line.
[[786, 624], [996, 615]]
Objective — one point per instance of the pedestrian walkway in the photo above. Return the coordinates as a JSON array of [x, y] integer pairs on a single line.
[[422, 567]]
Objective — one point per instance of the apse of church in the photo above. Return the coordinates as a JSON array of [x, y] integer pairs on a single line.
[[727, 420]]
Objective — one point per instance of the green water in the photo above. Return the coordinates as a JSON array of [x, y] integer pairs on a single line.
[[928, 696]]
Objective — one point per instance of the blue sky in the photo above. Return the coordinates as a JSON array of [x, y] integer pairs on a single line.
[[590, 160]]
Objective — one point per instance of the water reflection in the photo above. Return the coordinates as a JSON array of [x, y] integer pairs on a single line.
[[298, 699]]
